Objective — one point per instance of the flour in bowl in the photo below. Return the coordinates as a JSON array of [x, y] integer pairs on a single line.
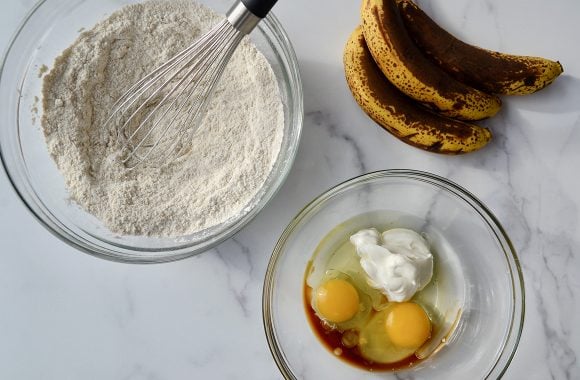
[[230, 158]]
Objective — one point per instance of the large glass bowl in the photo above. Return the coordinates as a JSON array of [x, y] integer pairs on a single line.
[[47, 30], [488, 281]]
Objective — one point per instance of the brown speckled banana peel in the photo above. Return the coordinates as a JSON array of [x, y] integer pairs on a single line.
[[414, 74], [400, 115], [487, 70]]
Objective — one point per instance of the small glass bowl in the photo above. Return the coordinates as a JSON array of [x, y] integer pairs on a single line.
[[47, 30], [491, 284]]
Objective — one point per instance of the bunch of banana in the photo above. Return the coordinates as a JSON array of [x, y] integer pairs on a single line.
[[416, 80]]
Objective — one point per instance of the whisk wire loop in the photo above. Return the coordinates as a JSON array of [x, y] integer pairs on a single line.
[[145, 83], [200, 93], [134, 96], [192, 65], [156, 114], [195, 111]]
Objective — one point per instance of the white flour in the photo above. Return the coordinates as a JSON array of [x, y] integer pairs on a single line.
[[231, 157]]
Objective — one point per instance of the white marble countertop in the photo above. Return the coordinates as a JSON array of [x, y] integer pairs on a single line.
[[67, 315]]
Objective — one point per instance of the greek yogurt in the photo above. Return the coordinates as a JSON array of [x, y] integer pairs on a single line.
[[398, 262]]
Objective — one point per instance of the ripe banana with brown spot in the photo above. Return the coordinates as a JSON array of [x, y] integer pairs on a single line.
[[413, 73], [487, 70], [400, 115]]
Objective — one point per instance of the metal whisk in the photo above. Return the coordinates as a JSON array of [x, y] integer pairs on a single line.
[[157, 113]]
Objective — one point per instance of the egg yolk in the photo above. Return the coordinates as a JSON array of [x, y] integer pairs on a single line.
[[337, 300], [408, 325]]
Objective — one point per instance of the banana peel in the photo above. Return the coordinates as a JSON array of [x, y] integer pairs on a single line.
[[400, 115]]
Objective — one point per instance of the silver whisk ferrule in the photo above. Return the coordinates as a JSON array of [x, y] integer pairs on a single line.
[[241, 18]]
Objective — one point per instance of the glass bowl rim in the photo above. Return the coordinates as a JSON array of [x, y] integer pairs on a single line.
[[511, 341], [36, 207]]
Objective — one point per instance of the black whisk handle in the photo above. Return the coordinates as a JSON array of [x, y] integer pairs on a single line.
[[259, 8]]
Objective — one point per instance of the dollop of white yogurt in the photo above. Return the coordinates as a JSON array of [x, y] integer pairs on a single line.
[[398, 262]]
